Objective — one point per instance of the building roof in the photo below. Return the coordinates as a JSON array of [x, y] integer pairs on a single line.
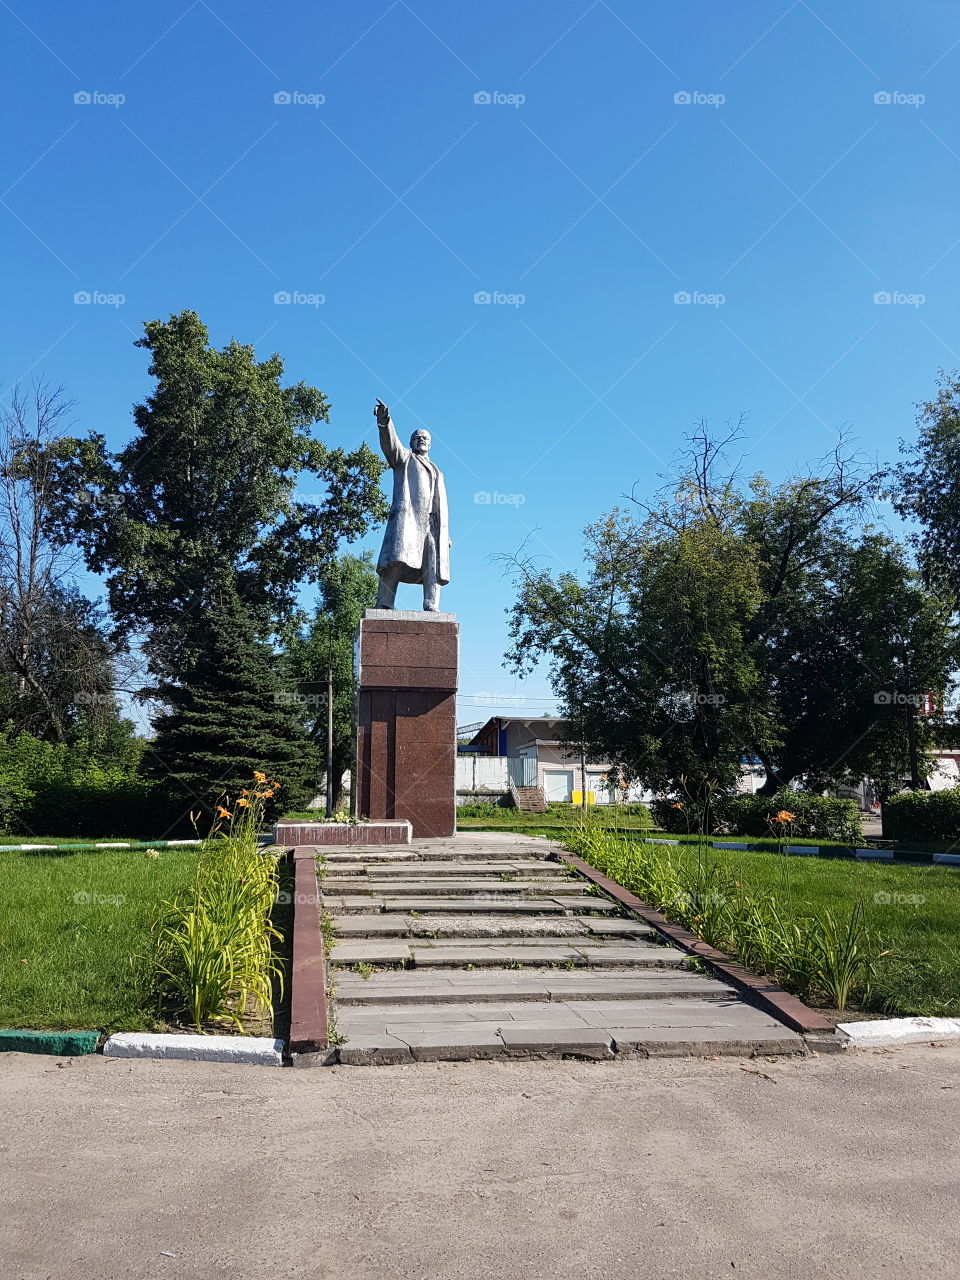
[[504, 722]]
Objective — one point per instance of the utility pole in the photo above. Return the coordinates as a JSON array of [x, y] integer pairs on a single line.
[[911, 711], [329, 717], [583, 763]]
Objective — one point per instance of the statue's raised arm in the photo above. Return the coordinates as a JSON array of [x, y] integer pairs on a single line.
[[393, 450]]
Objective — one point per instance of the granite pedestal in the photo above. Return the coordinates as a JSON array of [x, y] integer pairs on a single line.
[[407, 664]]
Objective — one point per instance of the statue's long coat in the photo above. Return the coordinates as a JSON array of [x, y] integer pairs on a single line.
[[418, 489]]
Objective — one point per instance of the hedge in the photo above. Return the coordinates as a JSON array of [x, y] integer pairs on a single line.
[[99, 804], [923, 815], [815, 817], [55, 789]]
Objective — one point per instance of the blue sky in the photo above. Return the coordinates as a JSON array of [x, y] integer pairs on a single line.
[[779, 164]]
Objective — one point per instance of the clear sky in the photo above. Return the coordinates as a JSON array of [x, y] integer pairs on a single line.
[[582, 164]]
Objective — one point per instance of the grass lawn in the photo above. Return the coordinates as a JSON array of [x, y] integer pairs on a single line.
[[913, 911], [57, 840], [75, 936], [557, 818]]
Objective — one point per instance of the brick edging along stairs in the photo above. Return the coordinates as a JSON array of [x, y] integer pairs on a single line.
[[484, 945]]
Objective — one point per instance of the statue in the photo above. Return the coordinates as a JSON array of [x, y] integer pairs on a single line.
[[416, 543]]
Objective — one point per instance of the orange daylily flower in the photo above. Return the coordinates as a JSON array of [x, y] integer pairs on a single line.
[[222, 812], [784, 816], [244, 804], [676, 806], [260, 777]]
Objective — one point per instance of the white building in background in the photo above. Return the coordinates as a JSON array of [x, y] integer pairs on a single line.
[[510, 750]]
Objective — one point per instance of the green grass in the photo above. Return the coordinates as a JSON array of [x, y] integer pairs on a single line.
[[557, 818], [66, 962], [914, 912], [772, 843], [58, 840]]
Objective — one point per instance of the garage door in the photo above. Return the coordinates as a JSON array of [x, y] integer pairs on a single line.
[[558, 784]]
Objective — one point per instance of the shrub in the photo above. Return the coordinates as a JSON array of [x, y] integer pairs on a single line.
[[483, 809], [55, 789], [635, 809], [814, 817], [923, 815], [674, 816]]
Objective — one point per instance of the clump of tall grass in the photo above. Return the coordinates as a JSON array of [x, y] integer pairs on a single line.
[[214, 954], [830, 957]]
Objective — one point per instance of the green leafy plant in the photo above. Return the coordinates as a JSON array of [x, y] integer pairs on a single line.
[[846, 954], [828, 955], [214, 955], [923, 815]]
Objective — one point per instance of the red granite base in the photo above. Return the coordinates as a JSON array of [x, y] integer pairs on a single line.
[[292, 835], [406, 723]]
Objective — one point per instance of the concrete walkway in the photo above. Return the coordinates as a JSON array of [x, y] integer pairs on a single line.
[[804, 1169], [482, 946]]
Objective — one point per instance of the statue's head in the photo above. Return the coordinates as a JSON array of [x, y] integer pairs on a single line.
[[420, 441]]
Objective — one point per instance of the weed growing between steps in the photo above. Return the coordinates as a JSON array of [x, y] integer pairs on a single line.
[[215, 963], [829, 957]]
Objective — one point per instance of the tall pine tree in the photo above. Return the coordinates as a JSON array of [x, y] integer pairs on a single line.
[[230, 716]]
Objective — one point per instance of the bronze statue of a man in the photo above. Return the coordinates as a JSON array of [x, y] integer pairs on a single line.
[[416, 543]]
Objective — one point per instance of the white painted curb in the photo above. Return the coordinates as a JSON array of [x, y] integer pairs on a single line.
[[893, 1031], [255, 1050]]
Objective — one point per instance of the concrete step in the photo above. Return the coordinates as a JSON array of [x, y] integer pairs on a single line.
[[502, 953], [476, 904], [590, 1029], [525, 868], [461, 849], [556, 928], [451, 885], [416, 986]]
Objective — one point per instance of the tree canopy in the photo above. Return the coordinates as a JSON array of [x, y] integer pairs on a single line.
[[211, 490], [928, 489], [735, 619]]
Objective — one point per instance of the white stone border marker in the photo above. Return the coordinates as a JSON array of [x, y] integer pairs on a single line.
[[894, 1031], [255, 1050]]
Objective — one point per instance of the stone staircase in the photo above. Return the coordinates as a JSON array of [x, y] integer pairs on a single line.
[[529, 799], [482, 945]]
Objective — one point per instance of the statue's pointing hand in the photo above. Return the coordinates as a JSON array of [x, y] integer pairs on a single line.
[[381, 413]]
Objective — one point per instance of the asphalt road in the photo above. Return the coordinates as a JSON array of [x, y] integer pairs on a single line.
[[542, 1171]]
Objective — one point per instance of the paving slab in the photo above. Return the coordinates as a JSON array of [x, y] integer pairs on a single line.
[[533, 1038], [476, 904], [444, 887], [526, 867], [729, 1013], [672, 1042], [528, 984], [629, 953], [374, 1050], [457, 1042], [391, 924], [619, 928], [370, 952], [494, 956], [575, 902]]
